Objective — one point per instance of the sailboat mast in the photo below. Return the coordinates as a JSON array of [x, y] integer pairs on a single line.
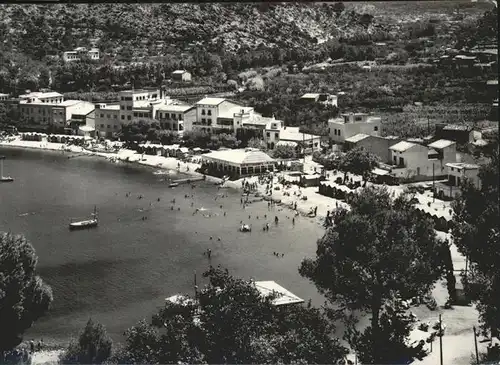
[[1, 166]]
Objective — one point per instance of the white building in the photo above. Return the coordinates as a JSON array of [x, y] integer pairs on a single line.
[[415, 161], [181, 75], [325, 99], [276, 133], [351, 124], [4, 97], [217, 115], [458, 172], [146, 103], [78, 53], [50, 108]]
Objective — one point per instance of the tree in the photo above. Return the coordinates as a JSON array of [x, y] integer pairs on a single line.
[[229, 322], [338, 8], [358, 161], [257, 143], [93, 346], [24, 296], [284, 151], [476, 233], [380, 251]]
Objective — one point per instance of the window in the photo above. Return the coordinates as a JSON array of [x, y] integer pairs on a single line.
[[339, 132], [123, 117], [375, 128], [167, 115], [141, 115], [395, 159], [358, 119], [268, 135], [209, 112], [102, 115], [180, 116], [108, 116], [203, 120], [276, 135], [115, 116], [122, 107], [129, 107], [135, 114], [129, 117], [115, 127], [202, 111], [401, 161], [209, 121], [109, 126], [102, 125]]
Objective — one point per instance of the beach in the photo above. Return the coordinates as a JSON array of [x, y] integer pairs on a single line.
[[250, 257]]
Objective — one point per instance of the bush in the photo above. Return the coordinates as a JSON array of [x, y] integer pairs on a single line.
[[93, 346]]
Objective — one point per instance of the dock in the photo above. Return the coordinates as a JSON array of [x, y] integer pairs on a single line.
[[188, 181]]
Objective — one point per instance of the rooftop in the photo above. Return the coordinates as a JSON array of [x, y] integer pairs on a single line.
[[179, 72], [240, 156], [210, 101], [356, 138], [293, 134], [463, 166], [310, 95], [441, 143], [175, 107], [69, 102], [284, 296], [402, 146], [457, 127], [111, 107], [492, 82], [40, 95], [236, 110]]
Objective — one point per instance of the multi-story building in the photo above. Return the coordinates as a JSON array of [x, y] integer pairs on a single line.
[[351, 124], [176, 117], [49, 108], [457, 173], [455, 132], [107, 120], [78, 53], [276, 133], [377, 145], [4, 97], [216, 115], [418, 162]]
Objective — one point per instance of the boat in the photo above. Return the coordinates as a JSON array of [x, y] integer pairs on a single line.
[[173, 185], [245, 228], [4, 178], [88, 223]]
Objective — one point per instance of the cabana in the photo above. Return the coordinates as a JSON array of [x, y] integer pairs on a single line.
[[239, 162]]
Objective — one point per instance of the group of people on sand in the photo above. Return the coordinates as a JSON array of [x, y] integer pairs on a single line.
[[277, 254], [23, 355]]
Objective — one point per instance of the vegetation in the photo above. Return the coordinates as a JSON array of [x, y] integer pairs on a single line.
[[229, 322], [381, 251], [24, 296], [358, 161], [476, 234], [284, 151], [93, 346]]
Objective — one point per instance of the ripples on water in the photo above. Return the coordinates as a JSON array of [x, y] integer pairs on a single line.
[[121, 271]]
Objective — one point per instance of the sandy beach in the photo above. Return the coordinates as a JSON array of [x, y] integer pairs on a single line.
[[459, 320]]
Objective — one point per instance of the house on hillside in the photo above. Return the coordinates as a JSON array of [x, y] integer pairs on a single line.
[[78, 53], [181, 76], [413, 161], [314, 98], [457, 173], [455, 132], [377, 145], [351, 124]]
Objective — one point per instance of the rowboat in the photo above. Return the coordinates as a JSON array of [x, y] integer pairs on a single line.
[[87, 223]]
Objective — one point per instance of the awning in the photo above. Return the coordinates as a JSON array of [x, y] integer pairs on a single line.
[[86, 128]]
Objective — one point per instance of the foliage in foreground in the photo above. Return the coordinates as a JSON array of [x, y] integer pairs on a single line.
[[358, 161], [24, 297], [380, 251], [93, 346], [477, 236], [232, 323]]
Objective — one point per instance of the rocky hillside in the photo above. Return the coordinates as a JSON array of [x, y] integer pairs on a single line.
[[158, 29]]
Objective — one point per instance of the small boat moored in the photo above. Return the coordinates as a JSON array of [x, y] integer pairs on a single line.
[[88, 223], [4, 178], [173, 185]]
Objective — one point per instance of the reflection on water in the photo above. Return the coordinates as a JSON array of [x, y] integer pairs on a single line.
[[144, 249]]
